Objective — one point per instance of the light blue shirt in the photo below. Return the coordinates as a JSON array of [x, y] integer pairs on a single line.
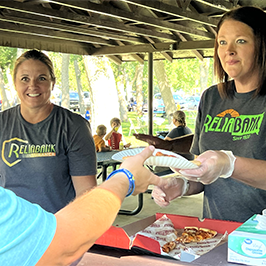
[[26, 230]]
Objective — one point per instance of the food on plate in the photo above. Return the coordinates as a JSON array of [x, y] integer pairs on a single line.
[[157, 154], [189, 235], [195, 234], [198, 163], [163, 154], [169, 246]]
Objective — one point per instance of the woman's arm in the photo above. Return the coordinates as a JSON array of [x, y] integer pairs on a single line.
[[250, 171], [83, 183]]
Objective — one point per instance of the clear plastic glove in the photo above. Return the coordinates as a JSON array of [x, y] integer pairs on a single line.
[[169, 189], [214, 164]]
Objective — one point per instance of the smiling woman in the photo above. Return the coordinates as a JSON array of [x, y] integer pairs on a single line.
[[48, 151]]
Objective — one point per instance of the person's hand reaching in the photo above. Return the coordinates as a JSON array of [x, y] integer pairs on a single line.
[[143, 177], [169, 189], [214, 164]]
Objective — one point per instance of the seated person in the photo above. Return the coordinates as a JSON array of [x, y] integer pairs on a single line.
[[181, 129], [98, 139], [113, 136]]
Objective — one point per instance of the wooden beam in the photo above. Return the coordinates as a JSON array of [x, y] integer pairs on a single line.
[[174, 11], [157, 47], [115, 59], [41, 23], [196, 52], [134, 56], [113, 12], [225, 6], [168, 56], [79, 19], [35, 31], [26, 41]]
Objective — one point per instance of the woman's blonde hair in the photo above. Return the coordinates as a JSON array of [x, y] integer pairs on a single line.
[[180, 117], [35, 55]]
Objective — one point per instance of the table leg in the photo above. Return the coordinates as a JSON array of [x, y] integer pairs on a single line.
[[104, 172], [137, 210]]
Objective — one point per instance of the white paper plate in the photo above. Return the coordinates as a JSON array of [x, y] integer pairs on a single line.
[[173, 162]]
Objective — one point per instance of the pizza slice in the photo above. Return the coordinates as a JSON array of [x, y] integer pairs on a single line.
[[169, 246], [195, 234]]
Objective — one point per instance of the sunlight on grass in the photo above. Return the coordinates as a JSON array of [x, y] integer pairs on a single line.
[[140, 126]]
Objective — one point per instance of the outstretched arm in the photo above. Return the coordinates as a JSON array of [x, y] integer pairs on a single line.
[[84, 220]]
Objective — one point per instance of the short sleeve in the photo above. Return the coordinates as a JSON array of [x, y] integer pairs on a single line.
[[26, 230]]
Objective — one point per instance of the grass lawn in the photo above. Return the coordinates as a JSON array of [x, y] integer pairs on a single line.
[[160, 124]]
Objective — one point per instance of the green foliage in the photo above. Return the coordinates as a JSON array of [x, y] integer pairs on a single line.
[[190, 118], [7, 59], [184, 74]]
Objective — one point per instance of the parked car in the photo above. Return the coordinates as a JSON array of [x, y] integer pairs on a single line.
[[74, 101], [158, 104], [192, 103]]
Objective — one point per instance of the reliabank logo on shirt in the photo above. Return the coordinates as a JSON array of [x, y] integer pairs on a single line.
[[239, 126], [15, 149]]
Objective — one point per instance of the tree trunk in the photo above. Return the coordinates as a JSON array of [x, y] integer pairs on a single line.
[[204, 69], [5, 102], [121, 98], [139, 96], [65, 81], [79, 86], [104, 97], [165, 89]]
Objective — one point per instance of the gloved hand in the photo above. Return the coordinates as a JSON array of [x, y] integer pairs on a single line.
[[214, 164], [169, 189]]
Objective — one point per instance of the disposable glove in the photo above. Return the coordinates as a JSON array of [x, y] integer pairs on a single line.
[[214, 164], [170, 188]]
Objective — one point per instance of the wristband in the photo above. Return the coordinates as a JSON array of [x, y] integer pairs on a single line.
[[185, 187], [130, 179]]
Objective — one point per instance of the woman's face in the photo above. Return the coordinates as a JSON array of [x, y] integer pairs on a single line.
[[236, 49], [33, 84]]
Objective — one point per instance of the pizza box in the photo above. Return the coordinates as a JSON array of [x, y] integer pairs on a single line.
[[123, 237]]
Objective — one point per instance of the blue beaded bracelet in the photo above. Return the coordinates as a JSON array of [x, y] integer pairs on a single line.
[[130, 179]]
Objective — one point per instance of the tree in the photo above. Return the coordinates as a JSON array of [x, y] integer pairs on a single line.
[[101, 81], [165, 88], [65, 80], [79, 86], [139, 96], [7, 59]]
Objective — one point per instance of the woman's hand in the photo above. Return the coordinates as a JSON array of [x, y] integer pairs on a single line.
[[214, 164]]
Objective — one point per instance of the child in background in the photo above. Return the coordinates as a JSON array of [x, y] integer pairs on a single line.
[[98, 139], [113, 136]]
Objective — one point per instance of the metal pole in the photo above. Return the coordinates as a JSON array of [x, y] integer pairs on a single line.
[[150, 93]]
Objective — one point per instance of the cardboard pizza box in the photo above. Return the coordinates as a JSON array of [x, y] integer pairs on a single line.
[[122, 237]]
